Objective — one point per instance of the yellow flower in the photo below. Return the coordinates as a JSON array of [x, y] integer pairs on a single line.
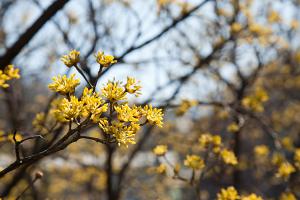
[[12, 72], [228, 157], [123, 133], [71, 59], [251, 197], [261, 150], [229, 193], [153, 115], [161, 169], [285, 169], [195, 162], [68, 110], [233, 127], [11, 137], [297, 158], [236, 27], [277, 158], [255, 101], [113, 91], [93, 105], [274, 17], [64, 85], [207, 139], [132, 86], [185, 106], [127, 114], [105, 60], [160, 150], [287, 143], [287, 196], [7, 74]]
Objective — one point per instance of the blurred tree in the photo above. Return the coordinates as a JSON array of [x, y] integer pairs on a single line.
[[225, 73]]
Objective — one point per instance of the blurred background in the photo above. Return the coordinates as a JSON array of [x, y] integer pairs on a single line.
[[224, 67]]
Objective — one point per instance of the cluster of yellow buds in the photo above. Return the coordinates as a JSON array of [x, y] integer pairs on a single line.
[[261, 151], [214, 142], [287, 196], [115, 117], [185, 106], [230, 193], [233, 127], [297, 158], [71, 59], [255, 101], [194, 162], [160, 150], [10, 137], [105, 60], [64, 85], [274, 17], [207, 140], [7, 74], [285, 169]]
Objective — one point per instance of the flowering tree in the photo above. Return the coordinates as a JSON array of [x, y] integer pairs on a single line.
[[214, 114]]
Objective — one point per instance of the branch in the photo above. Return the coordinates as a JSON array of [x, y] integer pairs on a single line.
[[25, 38]]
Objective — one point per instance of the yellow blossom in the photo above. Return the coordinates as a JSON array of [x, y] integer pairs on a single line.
[[69, 110], [287, 143], [64, 85], [256, 100], [161, 169], [128, 114], [229, 157], [236, 27], [195, 162], [297, 158], [123, 133], [132, 86], [71, 59], [160, 150], [185, 106], [285, 169], [113, 91], [207, 139], [233, 127], [251, 197], [105, 60], [93, 105], [287, 196], [274, 17], [153, 115], [261, 150], [229, 193], [18, 137], [7, 74]]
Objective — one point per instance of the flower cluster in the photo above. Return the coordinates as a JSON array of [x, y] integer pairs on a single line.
[[64, 85], [185, 106], [214, 142], [160, 150], [229, 157], [255, 101], [71, 59], [119, 120], [105, 60], [7, 74], [261, 151], [194, 162], [285, 170], [231, 193]]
